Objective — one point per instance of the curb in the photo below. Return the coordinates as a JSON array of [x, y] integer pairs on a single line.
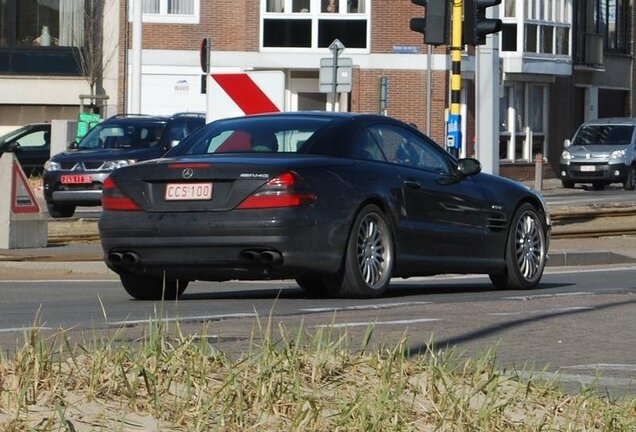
[[589, 258], [75, 267]]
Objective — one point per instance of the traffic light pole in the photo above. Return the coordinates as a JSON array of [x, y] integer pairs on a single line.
[[454, 129]]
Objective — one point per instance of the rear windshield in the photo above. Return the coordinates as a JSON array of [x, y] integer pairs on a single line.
[[249, 135], [604, 135], [123, 135]]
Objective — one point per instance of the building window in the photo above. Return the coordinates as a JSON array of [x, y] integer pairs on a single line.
[[523, 121], [509, 37], [510, 8], [611, 23], [41, 37], [314, 24], [169, 11], [544, 26], [32, 23]]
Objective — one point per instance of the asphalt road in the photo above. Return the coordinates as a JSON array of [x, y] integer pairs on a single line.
[[579, 323]]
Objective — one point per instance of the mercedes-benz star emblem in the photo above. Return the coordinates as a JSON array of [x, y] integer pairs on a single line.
[[187, 173]]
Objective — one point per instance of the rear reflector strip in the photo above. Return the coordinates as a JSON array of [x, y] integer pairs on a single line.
[[192, 165], [277, 200], [119, 203]]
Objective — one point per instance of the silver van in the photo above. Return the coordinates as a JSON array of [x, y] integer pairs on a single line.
[[601, 152]]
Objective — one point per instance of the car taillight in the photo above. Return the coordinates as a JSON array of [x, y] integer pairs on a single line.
[[114, 199], [286, 190]]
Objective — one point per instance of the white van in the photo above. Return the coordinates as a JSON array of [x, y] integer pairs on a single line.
[[601, 152]]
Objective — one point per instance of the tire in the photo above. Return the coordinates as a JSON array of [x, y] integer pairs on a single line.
[[313, 284], [598, 186], [567, 184], [368, 259], [630, 181], [143, 287], [526, 251], [60, 211]]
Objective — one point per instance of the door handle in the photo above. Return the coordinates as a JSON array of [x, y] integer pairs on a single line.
[[413, 184]]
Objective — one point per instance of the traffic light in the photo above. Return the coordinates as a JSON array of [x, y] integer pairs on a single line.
[[434, 25], [476, 25]]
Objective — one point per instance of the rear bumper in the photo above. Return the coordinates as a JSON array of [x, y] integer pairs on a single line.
[[205, 246]]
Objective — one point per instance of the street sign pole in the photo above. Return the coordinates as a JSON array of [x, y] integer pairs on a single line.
[[336, 49], [454, 125]]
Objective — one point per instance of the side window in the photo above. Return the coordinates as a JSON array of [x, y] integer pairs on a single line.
[[32, 140], [402, 147], [369, 146]]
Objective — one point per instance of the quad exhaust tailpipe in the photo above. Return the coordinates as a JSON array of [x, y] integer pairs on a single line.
[[261, 257], [114, 258], [123, 259]]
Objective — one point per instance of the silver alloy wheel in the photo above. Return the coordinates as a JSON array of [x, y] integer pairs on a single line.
[[373, 251], [529, 246]]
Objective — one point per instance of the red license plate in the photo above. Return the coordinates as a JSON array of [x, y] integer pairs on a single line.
[[76, 179], [188, 191]]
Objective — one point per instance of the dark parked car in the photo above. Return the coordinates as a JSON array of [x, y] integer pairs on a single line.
[[75, 177], [31, 145], [339, 202]]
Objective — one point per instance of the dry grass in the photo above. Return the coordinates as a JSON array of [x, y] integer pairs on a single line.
[[291, 381]]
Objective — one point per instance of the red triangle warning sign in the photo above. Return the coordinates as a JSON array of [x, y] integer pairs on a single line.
[[22, 197]]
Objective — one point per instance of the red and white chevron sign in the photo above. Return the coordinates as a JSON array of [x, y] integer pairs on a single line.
[[245, 93]]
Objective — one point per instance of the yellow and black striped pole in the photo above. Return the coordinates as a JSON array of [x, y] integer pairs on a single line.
[[454, 130]]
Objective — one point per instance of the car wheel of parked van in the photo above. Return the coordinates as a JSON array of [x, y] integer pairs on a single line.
[[630, 181]]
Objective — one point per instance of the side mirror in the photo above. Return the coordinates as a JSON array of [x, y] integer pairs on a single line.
[[567, 143], [72, 145], [468, 167], [174, 143], [12, 147]]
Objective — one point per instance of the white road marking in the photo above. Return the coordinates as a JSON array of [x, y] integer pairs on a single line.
[[377, 323], [542, 296], [364, 307], [543, 311], [581, 379], [17, 329], [182, 319]]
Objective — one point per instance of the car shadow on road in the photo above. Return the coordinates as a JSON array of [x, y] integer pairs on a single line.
[[408, 289], [396, 290]]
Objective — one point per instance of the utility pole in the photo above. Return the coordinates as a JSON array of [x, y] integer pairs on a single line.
[[454, 125]]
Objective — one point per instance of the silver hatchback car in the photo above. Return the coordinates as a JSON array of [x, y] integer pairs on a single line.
[[601, 152]]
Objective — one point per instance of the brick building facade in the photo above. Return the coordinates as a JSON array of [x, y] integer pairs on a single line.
[[561, 62]]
